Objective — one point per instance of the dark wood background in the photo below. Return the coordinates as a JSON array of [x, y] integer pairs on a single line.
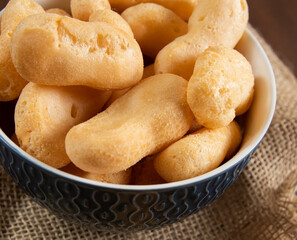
[[276, 20]]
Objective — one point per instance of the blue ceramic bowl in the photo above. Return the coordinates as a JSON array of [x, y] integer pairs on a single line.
[[113, 207]]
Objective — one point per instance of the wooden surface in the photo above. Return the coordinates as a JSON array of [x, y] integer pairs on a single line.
[[276, 20]]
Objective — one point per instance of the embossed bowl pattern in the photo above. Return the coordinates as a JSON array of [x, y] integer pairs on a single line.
[[113, 207]]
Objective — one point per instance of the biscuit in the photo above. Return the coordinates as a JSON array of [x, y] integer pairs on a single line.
[[56, 50], [44, 115], [11, 83], [221, 87], [149, 117], [213, 23], [198, 153], [154, 26]]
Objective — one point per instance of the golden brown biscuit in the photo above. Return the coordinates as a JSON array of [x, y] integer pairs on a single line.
[[54, 50], [11, 83], [15, 11], [122, 177], [197, 153], [213, 23], [149, 117], [44, 115], [154, 26], [182, 8], [115, 19], [83, 9], [221, 87]]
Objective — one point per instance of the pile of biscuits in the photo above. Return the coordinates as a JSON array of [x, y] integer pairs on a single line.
[[88, 106]]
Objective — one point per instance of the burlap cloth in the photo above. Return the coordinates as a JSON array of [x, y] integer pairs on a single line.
[[262, 204]]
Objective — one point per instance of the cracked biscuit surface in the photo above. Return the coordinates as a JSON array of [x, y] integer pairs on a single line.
[[221, 87], [57, 50]]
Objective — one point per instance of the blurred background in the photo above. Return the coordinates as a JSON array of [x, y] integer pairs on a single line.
[[276, 21]]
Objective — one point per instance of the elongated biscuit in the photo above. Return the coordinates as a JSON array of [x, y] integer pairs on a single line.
[[146, 119], [56, 50], [198, 153]]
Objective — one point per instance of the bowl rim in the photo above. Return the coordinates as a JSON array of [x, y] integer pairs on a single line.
[[238, 157]]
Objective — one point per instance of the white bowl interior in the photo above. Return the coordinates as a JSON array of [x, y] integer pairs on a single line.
[[257, 121]]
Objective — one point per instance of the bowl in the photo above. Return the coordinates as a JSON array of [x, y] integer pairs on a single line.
[[112, 207]]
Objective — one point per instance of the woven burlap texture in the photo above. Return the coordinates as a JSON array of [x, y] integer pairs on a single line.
[[261, 204]]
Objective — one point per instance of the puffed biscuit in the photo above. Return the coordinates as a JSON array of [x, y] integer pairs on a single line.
[[56, 50], [154, 26], [44, 115], [221, 87], [11, 83], [213, 23], [15, 11], [198, 153], [149, 117]]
